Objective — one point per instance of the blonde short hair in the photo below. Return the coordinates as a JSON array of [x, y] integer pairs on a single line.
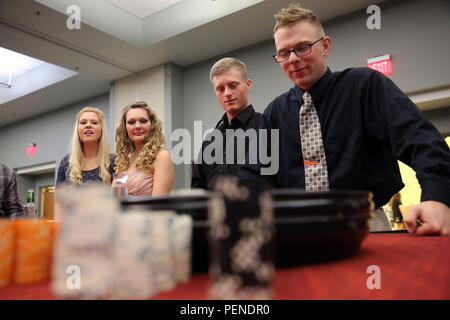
[[226, 64], [294, 13]]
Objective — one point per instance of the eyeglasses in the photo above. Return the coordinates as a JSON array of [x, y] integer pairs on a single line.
[[300, 51]]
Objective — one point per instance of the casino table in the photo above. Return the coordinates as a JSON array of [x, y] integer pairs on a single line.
[[393, 265]]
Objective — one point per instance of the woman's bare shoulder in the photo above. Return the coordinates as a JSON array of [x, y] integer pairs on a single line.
[[163, 155]]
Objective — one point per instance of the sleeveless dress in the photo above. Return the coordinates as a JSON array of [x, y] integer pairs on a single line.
[[139, 183]]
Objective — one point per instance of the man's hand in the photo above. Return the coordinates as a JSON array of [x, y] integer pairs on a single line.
[[434, 215]]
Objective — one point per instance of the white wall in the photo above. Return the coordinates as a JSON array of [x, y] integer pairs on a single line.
[[51, 132], [147, 86]]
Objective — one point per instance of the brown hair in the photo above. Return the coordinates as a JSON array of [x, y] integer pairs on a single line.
[[293, 14]]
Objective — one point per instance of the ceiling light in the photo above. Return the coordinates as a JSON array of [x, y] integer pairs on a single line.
[[21, 74], [16, 63], [144, 8], [7, 84]]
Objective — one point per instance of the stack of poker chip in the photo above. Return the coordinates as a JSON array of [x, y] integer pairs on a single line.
[[7, 243], [25, 250], [102, 253], [144, 258], [132, 258], [241, 263], [33, 250], [181, 235], [84, 254], [162, 258]]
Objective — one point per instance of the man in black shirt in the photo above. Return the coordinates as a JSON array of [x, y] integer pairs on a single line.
[[231, 86], [366, 122]]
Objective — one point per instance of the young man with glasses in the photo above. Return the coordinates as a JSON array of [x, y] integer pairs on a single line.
[[346, 130]]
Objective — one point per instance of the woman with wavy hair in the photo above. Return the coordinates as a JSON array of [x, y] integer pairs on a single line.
[[140, 151], [90, 159]]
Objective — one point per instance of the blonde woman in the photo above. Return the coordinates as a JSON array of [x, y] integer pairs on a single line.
[[90, 159], [140, 152]]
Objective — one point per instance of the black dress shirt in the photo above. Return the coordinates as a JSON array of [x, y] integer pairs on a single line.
[[367, 123], [204, 175]]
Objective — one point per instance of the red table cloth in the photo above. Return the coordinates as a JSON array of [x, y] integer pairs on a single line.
[[411, 267]]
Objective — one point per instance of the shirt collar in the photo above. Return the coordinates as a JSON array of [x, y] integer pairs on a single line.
[[242, 118], [318, 88]]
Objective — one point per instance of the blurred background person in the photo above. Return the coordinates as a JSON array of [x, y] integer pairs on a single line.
[[397, 217], [9, 197], [140, 152], [91, 159]]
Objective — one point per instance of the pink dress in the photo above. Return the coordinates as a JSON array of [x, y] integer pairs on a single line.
[[140, 183]]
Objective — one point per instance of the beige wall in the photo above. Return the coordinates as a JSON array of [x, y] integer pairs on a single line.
[[147, 86]]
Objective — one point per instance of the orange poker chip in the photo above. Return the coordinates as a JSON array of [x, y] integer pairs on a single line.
[[54, 230], [7, 242], [33, 248]]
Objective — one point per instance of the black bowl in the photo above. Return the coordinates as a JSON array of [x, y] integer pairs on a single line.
[[309, 226]]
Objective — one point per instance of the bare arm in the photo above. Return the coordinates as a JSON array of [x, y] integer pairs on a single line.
[[164, 173]]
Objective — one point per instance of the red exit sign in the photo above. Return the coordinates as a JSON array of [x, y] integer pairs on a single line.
[[382, 64], [32, 149]]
